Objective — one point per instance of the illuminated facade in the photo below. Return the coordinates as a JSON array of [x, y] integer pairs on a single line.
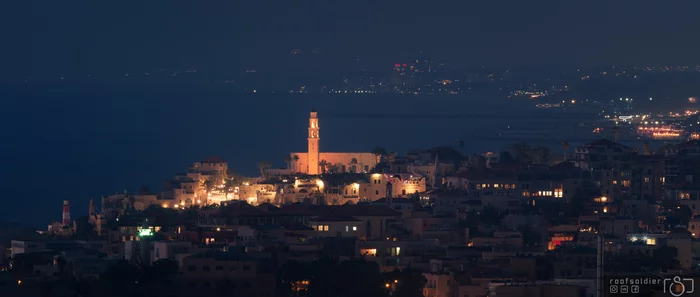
[[315, 162]]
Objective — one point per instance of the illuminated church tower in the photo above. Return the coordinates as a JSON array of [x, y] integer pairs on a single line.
[[313, 161]]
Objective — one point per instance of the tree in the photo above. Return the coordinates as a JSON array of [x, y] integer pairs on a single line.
[[328, 277], [229, 187], [85, 230], [522, 152], [391, 157], [324, 165], [121, 271], [164, 267], [408, 282], [144, 190], [296, 161], [490, 216], [333, 168], [209, 184], [353, 164], [530, 238], [288, 161], [665, 258], [506, 157], [262, 166], [379, 152]]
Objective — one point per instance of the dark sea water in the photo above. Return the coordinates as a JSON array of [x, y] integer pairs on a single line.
[[73, 142]]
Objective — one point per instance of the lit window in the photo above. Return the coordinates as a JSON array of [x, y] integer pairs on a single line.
[[651, 241], [558, 193], [354, 228], [395, 251], [368, 252]]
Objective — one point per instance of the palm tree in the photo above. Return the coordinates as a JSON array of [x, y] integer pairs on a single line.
[[288, 160], [296, 162], [461, 145], [209, 184], [229, 187], [565, 146], [333, 168], [379, 152], [324, 164], [262, 166], [353, 165], [390, 157]]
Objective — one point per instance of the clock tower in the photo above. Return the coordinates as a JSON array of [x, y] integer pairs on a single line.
[[313, 144]]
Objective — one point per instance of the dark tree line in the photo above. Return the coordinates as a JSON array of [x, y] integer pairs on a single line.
[[357, 277]]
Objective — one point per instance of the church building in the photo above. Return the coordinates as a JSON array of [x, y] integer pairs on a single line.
[[315, 162]]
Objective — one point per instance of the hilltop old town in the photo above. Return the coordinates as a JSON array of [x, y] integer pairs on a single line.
[[599, 219]]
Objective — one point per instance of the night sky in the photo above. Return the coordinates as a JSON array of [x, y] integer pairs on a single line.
[[94, 36], [54, 141]]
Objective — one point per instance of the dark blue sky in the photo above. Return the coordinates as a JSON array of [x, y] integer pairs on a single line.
[[85, 143], [93, 36]]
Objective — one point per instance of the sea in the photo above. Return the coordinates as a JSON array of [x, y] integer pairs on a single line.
[[63, 141]]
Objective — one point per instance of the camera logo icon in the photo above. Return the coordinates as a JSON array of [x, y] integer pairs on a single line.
[[678, 286]]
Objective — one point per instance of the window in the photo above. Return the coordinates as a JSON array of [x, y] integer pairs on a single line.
[[205, 268], [192, 268], [646, 179], [368, 252], [395, 251], [246, 268], [354, 228], [558, 193], [219, 268], [322, 228]]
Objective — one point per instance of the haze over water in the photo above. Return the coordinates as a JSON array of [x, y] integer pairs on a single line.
[[70, 143]]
